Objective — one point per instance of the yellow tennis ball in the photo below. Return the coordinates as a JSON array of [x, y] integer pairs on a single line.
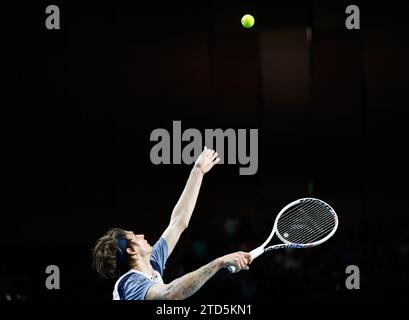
[[247, 21]]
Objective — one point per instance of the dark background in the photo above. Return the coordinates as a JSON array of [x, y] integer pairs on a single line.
[[79, 105]]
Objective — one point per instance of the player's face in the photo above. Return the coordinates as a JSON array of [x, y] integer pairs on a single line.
[[139, 243]]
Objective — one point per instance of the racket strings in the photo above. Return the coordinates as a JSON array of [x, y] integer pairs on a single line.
[[303, 237], [297, 207], [288, 216], [305, 232], [305, 225], [306, 222], [306, 214]]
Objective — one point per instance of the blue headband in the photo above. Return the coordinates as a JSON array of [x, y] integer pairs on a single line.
[[121, 254]]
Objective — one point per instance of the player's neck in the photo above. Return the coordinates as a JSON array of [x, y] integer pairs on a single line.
[[144, 265]]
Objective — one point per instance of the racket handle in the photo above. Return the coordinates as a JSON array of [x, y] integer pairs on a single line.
[[254, 254], [232, 269]]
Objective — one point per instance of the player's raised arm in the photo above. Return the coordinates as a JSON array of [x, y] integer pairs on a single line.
[[184, 287], [184, 207]]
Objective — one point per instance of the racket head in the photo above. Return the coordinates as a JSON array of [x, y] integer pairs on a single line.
[[305, 222]]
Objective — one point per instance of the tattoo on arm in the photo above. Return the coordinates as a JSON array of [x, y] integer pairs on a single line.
[[190, 283]]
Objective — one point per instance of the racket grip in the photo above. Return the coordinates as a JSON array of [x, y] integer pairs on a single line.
[[254, 254], [231, 269]]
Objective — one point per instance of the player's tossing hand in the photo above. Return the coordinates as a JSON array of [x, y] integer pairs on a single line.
[[206, 160]]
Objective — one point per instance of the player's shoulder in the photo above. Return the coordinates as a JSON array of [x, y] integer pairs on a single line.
[[160, 247], [161, 242], [133, 276], [131, 280]]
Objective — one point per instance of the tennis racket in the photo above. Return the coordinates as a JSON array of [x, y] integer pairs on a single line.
[[303, 223]]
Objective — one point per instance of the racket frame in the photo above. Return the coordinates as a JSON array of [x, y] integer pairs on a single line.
[[287, 244]]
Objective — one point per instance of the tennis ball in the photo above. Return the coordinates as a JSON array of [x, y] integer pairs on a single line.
[[247, 21]]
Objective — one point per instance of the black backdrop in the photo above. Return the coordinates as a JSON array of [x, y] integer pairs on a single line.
[[79, 105]]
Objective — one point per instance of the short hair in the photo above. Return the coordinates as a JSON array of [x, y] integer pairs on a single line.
[[106, 251]]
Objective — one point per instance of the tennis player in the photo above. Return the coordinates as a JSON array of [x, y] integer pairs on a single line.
[[139, 267]]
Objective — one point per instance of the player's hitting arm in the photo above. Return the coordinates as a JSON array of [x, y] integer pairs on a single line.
[[184, 287], [183, 210]]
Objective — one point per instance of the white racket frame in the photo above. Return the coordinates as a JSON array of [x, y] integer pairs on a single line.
[[287, 244]]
